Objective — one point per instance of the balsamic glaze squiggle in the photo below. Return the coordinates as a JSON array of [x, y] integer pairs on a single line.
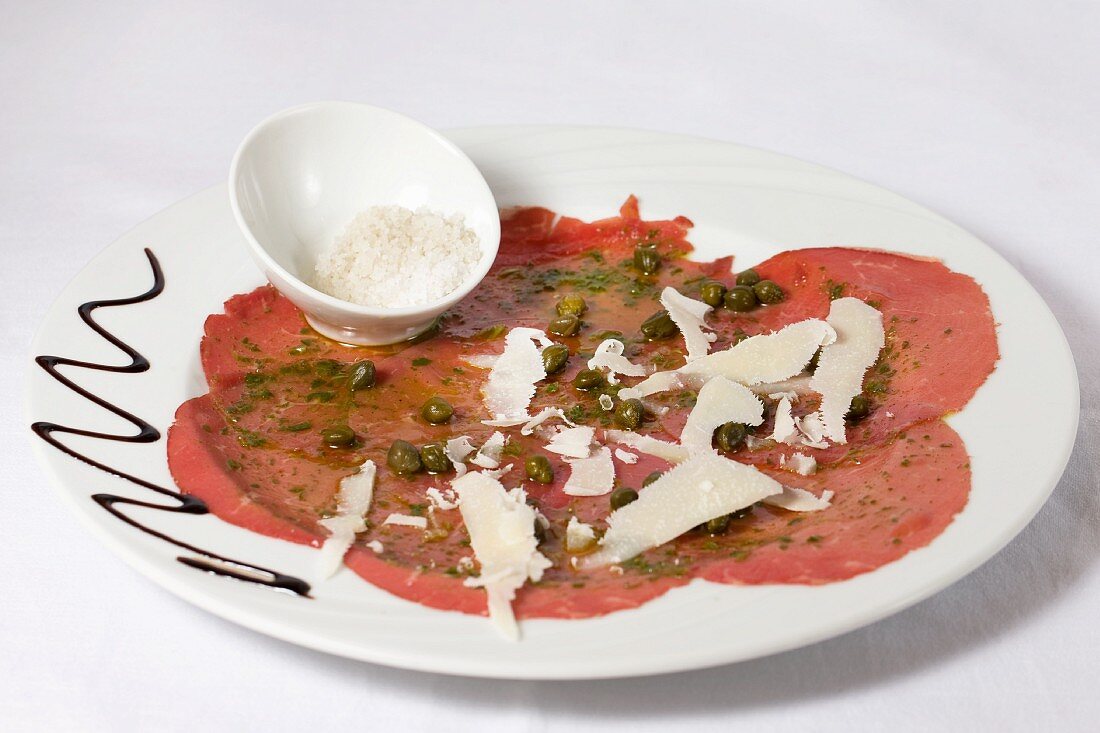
[[146, 433]]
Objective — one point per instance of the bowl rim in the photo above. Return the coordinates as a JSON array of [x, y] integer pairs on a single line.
[[268, 263]]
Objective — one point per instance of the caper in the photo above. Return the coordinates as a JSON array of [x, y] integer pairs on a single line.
[[437, 411], [629, 413], [646, 258], [718, 525], [361, 375], [859, 409], [768, 292], [338, 436], [567, 325], [554, 358], [435, 459], [740, 299], [588, 379], [729, 435], [403, 458], [538, 469], [621, 497], [748, 277], [572, 305], [711, 292], [659, 326], [651, 478]]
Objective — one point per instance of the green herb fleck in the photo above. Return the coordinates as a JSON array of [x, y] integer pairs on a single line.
[[835, 289], [577, 413], [250, 440]]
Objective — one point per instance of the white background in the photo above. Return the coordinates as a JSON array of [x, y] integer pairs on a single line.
[[985, 112]]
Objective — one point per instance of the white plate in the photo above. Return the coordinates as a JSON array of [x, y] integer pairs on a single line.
[[743, 201]]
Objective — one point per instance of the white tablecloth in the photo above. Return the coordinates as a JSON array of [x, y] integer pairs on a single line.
[[986, 112]]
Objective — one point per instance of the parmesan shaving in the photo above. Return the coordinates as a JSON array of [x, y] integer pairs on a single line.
[[841, 366], [765, 358], [458, 450], [530, 423], [510, 422], [499, 472], [573, 442], [508, 391], [592, 476], [785, 431], [578, 536], [797, 386], [677, 501], [488, 456], [812, 430], [689, 316], [720, 401], [654, 383], [800, 500], [352, 502], [404, 520], [609, 355], [670, 452], [480, 361], [545, 414], [769, 363], [606, 402], [376, 547], [626, 457], [800, 463], [444, 501], [502, 533]]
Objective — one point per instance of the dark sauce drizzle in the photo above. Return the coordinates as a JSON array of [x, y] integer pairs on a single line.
[[146, 433]]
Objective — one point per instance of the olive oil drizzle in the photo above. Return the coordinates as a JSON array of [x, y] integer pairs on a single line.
[[146, 433]]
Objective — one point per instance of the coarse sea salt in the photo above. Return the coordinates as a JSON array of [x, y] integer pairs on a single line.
[[392, 257]]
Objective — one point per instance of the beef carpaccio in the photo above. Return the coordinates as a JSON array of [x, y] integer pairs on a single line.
[[252, 447]]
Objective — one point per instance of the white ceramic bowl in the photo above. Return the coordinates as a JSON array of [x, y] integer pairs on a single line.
[[304, 173]]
